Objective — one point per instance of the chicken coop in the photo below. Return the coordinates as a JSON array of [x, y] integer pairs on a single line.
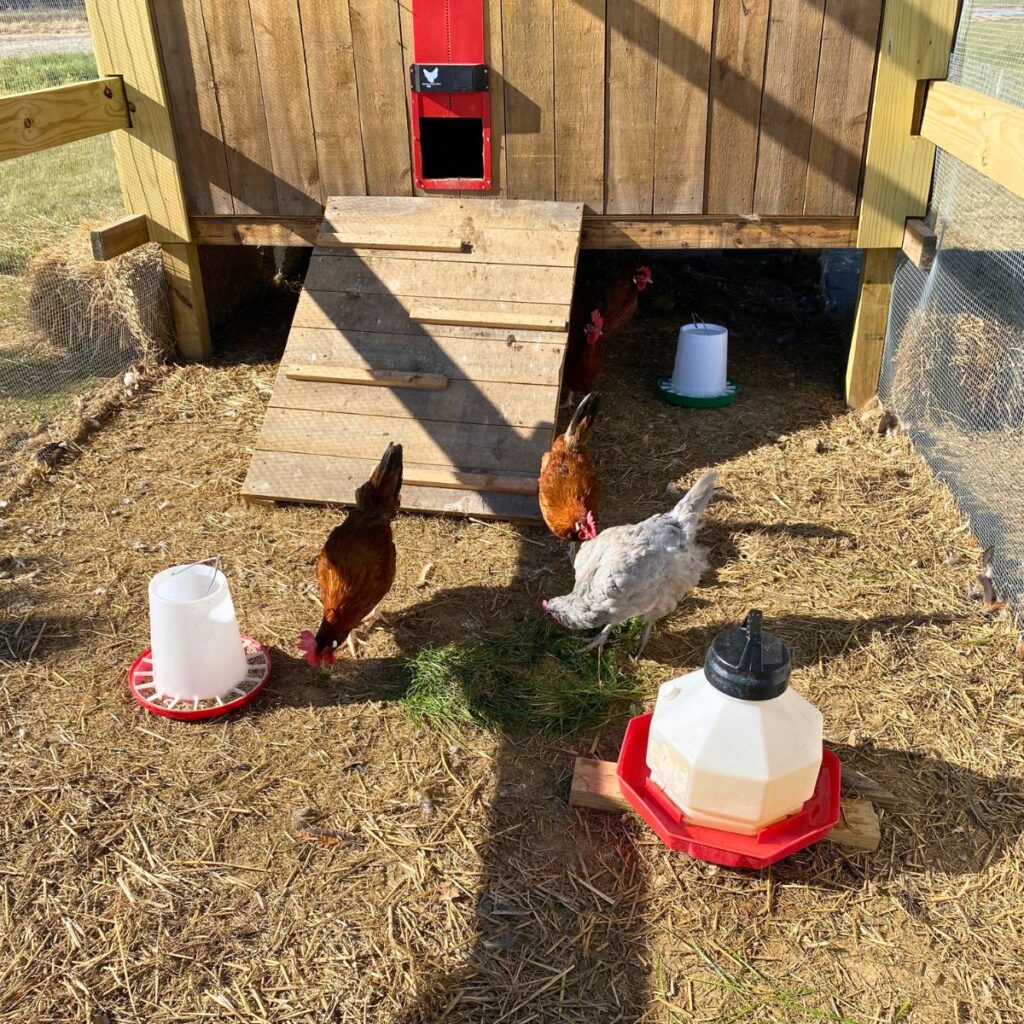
[[448, 158]]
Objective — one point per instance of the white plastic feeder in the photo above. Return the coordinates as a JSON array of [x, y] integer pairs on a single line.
[[197, 648], [702, 354]]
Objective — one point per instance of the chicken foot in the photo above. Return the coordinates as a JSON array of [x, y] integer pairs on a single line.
[[354, 640]]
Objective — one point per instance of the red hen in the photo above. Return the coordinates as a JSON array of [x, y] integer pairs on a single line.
[[356, 568]]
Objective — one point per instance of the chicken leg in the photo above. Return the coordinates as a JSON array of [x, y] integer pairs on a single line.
[[600, 640], [644, 637], [354, 640]]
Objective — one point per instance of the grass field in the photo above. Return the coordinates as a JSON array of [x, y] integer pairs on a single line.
[[43, 198], [28, 19]]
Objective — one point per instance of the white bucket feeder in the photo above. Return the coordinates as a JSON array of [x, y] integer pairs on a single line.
[[702, 354], [199, 664], [699, 377]]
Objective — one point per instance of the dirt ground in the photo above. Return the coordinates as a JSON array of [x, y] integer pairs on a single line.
[[158, 872]]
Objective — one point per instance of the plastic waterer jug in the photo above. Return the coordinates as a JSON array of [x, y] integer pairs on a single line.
[[731, 745]]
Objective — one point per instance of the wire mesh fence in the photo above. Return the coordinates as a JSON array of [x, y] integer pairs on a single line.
[[67, 323], [953, 368]]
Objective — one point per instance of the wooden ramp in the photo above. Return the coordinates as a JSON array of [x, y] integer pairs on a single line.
[[437, 323]]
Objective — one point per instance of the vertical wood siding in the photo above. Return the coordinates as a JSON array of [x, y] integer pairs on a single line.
[[630, 106]]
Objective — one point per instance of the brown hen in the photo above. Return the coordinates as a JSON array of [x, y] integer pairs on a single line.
[[356, 567], [622, 299], [569, 488]]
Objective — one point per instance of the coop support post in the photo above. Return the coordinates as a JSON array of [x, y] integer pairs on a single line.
[[916, 39], [865, 363], [125, 41]]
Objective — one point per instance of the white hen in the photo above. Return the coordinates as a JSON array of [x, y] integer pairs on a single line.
[[639, 571]]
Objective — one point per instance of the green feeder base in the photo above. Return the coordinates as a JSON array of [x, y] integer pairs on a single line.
[[666, 394]]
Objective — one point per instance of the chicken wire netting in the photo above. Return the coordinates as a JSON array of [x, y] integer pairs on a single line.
[[953, 368], [67, 323]]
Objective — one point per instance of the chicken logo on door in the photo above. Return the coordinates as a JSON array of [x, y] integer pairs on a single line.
[[430, 77]]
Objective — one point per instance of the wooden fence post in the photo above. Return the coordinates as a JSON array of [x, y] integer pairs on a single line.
[[916, 40], [124, 37]]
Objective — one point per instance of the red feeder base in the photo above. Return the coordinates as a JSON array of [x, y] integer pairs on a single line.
[[144, 690], [812, 822]]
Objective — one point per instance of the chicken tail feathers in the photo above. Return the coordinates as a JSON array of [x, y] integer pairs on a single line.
[[383, 491], [690, 508], [582, 421]]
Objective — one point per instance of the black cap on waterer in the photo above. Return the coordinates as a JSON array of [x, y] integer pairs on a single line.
[[748, 663]]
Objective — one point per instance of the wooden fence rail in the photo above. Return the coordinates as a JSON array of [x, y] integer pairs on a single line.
[[33, 121]]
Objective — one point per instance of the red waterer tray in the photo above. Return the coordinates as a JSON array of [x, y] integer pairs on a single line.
[[812, 822]]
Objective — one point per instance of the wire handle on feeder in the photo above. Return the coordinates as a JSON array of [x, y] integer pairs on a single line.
[[212, 560], [699, 320]]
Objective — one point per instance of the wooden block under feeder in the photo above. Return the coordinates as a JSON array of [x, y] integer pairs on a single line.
[[595, 785]]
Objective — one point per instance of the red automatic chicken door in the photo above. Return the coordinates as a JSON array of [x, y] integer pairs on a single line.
[[451, 105]]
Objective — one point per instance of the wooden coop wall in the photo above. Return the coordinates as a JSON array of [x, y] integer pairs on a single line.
[[632, 107]]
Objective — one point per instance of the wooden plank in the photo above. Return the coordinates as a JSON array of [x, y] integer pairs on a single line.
[[277, 231], [719, 233], [502, 483], [395, 236], [466, 402], [633, 30], [333, 99], [382, 87], [858, 827], [681, 114], [984, 133], [787, 108], [529, 98], [229, 33], [282, 63], [146, 155], [495, 60], [387, 314], [119, 237], [515, 449], [599, 232], [192, 91], [188, 303], [466, 215], [846, 69], [737, 70], [34, 121], [920, 243], [915, 45], [277, 476], [428, 314], [366, 376], [869, 326], [491, 358], [579, 54], [490, 245], [125, 42], [595, 785], [407, 42], [434, 279]]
